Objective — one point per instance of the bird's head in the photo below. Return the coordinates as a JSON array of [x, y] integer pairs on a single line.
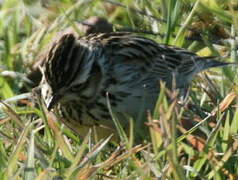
[[65, 71]]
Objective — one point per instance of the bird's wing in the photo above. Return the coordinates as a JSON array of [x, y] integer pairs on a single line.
[[157, 58]]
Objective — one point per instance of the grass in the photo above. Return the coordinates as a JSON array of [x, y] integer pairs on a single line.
[[34, 145]]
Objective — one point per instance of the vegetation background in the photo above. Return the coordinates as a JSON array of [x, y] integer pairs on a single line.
[[197, 141]]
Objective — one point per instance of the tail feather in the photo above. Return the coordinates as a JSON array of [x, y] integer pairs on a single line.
[[211, 62]]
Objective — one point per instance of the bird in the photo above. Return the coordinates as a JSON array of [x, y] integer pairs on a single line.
[[82, 74]]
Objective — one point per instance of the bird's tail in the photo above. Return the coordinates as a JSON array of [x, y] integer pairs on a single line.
[[211, 62]]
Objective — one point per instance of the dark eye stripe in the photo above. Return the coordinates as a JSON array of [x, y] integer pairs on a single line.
[[76, 88], [80, 54]]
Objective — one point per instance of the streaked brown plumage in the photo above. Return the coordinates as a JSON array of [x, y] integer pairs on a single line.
[[79, 71], [92, 25]]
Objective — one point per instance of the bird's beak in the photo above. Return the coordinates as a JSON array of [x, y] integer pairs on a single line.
[[52, 101]]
